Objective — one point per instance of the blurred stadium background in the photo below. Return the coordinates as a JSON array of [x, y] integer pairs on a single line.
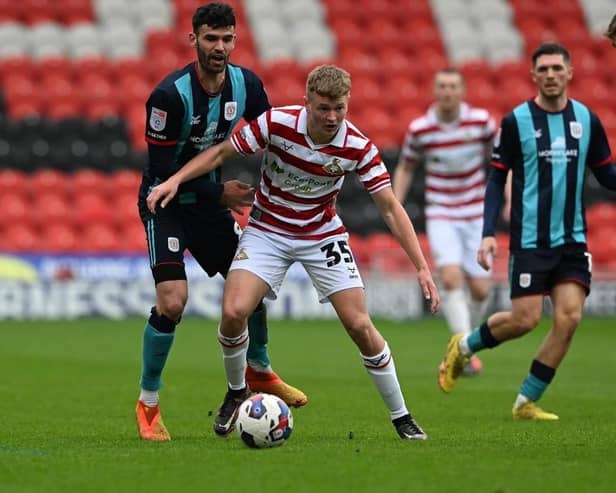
[[74, 76]]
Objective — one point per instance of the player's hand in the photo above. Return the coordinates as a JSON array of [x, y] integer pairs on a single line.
[[165, 191], [237, 195], [429, 290], [488, 249]]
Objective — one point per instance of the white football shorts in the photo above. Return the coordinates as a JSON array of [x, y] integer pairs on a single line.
[[329, 262], [456, 243]]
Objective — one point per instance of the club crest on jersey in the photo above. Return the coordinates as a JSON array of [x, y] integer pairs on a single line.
[[241, 255], [230, 110], [576, 129], [525, 280], [334, 167], [158, 119], [173, 244]]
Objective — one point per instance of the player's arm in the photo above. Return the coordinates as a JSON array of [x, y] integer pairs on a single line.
[[504, 152], [599, 157], [403, 174], [402, 228], [201, 164], [402, 179]]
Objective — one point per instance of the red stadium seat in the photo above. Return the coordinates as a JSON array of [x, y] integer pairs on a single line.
[[93, 209], [12, 11], [93, 65], [15, 182], [89, 182], [52, 208], [69, 12], [48, 181], [15, 208], [125, 209], [59, 237], [131, 68], [21, 237], [132, 89], [99, 238], [38, 11], [132, 238], [55, 67], [601, 215], [24, 67], [125, 182], [60, 110]]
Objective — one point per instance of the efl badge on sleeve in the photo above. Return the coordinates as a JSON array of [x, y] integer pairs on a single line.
[[230, 110], [158, 119], [576, 129]]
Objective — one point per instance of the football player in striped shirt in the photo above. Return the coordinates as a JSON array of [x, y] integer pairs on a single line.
[[308, 151], [453, 142], [546, 143]]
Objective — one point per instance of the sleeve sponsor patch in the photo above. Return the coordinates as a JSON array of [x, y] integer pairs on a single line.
[[158, 119]]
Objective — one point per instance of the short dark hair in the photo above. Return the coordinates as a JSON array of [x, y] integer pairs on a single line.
[[215, 15], [551, 49]]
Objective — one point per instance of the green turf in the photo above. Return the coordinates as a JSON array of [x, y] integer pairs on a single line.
[[68, 389]]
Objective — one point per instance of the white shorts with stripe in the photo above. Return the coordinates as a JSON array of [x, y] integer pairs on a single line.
[[329, 262], [456, 243]]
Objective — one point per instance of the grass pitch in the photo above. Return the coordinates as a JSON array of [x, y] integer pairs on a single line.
[[68, 391]]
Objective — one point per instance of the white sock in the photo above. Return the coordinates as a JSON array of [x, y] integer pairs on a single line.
[[383, 372], [456, 311], [477, 310], [149, 397], [520, 401], [466, 351], [234, 358]]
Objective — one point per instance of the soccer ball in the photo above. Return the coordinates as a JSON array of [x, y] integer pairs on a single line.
[[264, 421]]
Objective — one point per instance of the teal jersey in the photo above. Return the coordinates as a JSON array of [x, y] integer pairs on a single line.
[[548, 154]]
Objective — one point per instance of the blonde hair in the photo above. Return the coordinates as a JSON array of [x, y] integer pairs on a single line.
[[328, 81]]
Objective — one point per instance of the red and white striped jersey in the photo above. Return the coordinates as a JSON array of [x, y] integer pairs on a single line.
[[454, 155], [300, 179]]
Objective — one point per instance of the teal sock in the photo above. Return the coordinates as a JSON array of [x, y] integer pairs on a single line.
[[481, 338], [157, 340], [474, 341], [537, 381], [257, 354]]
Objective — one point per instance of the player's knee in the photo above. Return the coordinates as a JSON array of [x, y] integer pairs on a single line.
[[525, 322], [172, 307], [569, 319], [235, 314], [358, 327], [480, 293]]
